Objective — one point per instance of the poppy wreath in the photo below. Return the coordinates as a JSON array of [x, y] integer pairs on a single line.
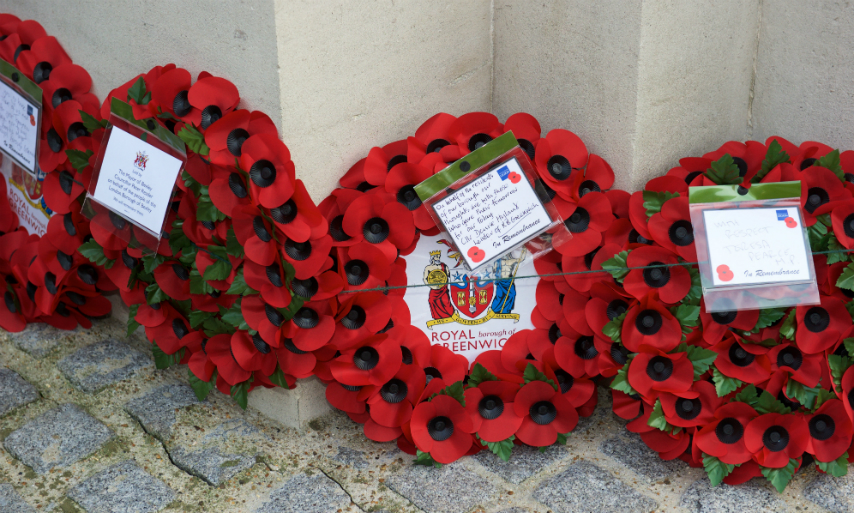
[[47, 279], [385, 374], [742, 393]]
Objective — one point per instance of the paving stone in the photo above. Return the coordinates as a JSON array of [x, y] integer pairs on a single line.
[[515, 510], [124, 488], [525, 462], [630, 450], [156, 409], [11, 502], [211, 465], [449, 489], [752, 496], [352, 457], [307, 494], [39, 339], [584, 487], [95, 366], [58, 437], [14, 391], [833, 493]]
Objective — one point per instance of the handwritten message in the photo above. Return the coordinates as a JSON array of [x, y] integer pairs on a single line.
[[136, 180], [757, 245], [492, 214], [19, 132]]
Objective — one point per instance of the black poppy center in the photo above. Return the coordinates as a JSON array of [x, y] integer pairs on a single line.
[[336, 229], [586, 187], [558, 166], [436, 145], [817, 319], [729, 430], [41, 72], [656, 275], [210, 115], [179, 329], [688, 409], [272, 272], [848, 225], [775, 438], [60, 96], [741, 164], [740, 357], [235, 183], [407, 197], [790, 357], [578, 221], [117, 221], [263, 173], [235, 141], [375, 230], [616, 308], [65, 260], [554, 333], [306, 318], [366, 358], [285, 213], [807, 163], [588, 258], [637, 238], [478, 141], [432, 372], [77, 299], [355, 318], [66, 182], [9, 299], [822, 427], [816, 197], [180, 272], [619, 353], [128, 261], [88, 274], [50, 282], [648, 322], [54, 141], [543, 412], [261, 229], [357, 272], [394, 391], [77, 129], [407, 355], [490, 407], [564, 380], [274, 316], [181, 104], [724, 317], [681, 233], [659, 368], [440, 428], [299, 251], [305, 288], [260, 345], [585, 349]]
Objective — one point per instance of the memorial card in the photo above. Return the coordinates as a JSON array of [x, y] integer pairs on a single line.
[[493, 214], [19, 127], [136, 180], [756, 246]]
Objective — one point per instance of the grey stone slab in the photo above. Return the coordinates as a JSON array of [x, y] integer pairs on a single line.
[[630, 450], [156, 409], [122, 488], [524, 463], [211, 465], [833, 493], [307, 494], [15, 391], [449, 489], [11, 502], [234, 429], [39, 339], [58, 437], [98, 365], [752, 496], [584, 487], [352, 457]]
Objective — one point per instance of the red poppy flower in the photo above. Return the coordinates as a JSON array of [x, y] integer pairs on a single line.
[[67, 82], [110, 231], [174, 333], [821, 191], [298, 218], [309, 257], [592, 261], [43, 55], [774, 438], [61, 189], [490, 407], [269, 281], [253, 353], [586, 222], [345, 398], [558, 154], [649, 323], [365, 267], [255, 234], [442, 363], [431, 137], [747, 157], [19, 36], [473, 130], [401, 182], [228, 191], [723, 436], [577, 354], [519, 349], [213, 97], [171, 93], [743, 361], [271, 172], [174, 279], [696, 407], [11, 318], [669, 446], [443, 428], [716, 325], [226, 136], [830, 431], [361, 316], [671, 281], [391, 404], [380, 220], [650, 373], [57, 261], [605, 304], [545, 412], [374, 361], [821, 326], [672, 228], [312, 326], [218, 349], [380, 161], [637, 212], [261, 317]]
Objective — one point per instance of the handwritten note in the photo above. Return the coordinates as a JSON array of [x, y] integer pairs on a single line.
[[136, 180], [757, 245], [493, 214], [19, 132]]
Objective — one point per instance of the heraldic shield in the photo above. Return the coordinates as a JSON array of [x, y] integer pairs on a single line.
[[472, 297]]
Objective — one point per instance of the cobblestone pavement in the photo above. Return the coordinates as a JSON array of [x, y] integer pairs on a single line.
[[88, 424]]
